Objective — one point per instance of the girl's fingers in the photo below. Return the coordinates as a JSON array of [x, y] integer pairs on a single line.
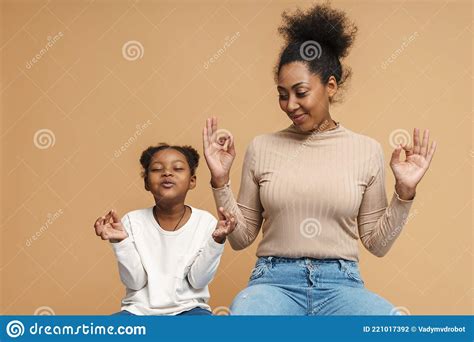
[[98, 228], [219, 233], [220, 214], [424, 144], [416, 141], [98, 221], [115, 217]]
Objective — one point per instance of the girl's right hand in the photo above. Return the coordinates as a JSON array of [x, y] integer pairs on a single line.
[[109, 227], [219, 156]]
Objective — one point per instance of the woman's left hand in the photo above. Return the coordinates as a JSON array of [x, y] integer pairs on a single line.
[[410, 171]]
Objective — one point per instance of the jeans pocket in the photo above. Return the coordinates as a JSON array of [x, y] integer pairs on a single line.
[[351, 271], [258, 271]]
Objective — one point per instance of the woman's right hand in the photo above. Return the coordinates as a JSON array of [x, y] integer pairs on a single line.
[[109, 227], [219, 156]]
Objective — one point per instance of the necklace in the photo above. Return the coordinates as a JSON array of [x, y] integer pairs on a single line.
[[156, 216]]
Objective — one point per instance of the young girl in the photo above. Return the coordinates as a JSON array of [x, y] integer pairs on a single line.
[[167, 254]]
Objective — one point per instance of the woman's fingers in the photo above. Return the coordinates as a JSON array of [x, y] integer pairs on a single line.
[[408, 149], [396, 155], [205, 139], [424, 144], [214, 124], [416, 141], [431, 152], [231, 148], [209, 129]]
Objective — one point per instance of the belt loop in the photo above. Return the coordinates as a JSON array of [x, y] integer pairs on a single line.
[[341, 264], [270, 261]]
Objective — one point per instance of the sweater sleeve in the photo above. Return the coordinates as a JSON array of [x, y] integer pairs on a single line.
[[131, 270], [204, 266], [248, 208], [379, 225]]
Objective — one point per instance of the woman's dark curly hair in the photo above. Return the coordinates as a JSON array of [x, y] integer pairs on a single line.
[[319, 37], [192, 156]]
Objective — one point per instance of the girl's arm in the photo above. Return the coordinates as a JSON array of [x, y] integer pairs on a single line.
[[204, 266], [119, 233]]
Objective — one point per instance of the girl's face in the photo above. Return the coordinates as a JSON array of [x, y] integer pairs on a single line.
[[303, 97], [169, 176]]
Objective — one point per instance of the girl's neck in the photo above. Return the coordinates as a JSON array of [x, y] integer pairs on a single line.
[[169, 211]]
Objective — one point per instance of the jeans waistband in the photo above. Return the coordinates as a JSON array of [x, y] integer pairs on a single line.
[[304, 261]]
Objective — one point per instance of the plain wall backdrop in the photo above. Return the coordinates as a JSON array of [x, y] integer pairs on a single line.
[[87, 85]]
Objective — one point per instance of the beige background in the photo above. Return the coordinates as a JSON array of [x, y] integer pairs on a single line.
[[92, 98]]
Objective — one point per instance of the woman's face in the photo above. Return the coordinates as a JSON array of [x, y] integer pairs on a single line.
[[169, 176], [303, 97]]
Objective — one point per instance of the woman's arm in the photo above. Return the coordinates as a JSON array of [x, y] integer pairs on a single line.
[[248, 209], [379, 224]]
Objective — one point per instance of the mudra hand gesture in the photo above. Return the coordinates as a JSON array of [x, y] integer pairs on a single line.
[[219, 152], [409, 172], [109, 227]]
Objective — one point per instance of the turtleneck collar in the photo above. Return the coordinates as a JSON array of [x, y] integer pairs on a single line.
[[294, 129]]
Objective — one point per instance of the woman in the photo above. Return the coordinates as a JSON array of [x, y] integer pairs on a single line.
[[316, 186]]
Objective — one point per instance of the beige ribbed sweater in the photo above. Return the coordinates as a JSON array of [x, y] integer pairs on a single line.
[[316, 194]]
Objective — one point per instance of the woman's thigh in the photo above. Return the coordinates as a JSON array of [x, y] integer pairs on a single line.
[[264, 299], [346, 300]]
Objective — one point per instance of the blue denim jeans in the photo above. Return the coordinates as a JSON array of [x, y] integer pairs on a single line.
[[193, 312], [306, 286]]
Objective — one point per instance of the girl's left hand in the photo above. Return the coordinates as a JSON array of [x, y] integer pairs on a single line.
[[225, 226], [410, 171]]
